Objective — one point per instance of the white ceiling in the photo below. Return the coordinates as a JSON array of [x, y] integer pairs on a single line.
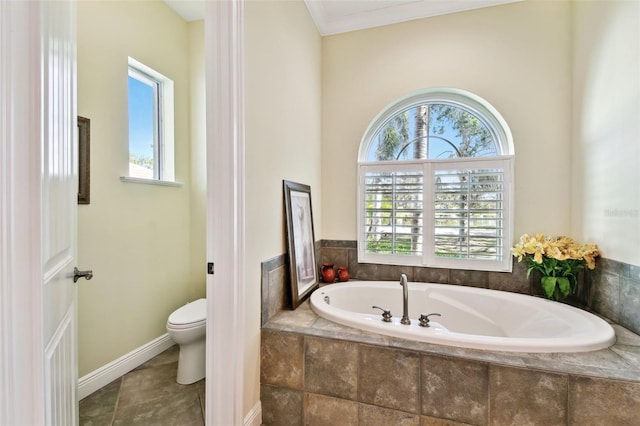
[[190, 10], [339, 16]]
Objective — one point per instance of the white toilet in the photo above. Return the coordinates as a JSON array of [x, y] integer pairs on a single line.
[[187, 327]]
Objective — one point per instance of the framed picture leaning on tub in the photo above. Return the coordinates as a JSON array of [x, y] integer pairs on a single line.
[[300, 240]]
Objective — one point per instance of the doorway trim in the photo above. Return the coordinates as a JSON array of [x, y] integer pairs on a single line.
[[224, 74], [22, 381]]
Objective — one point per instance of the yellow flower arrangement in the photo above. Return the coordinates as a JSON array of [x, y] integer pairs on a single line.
[[559, 259]]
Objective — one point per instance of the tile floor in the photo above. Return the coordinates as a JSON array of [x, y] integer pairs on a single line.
[[148, 395]]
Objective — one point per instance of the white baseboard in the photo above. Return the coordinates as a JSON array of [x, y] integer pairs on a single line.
[[254, 417], [106, 374]]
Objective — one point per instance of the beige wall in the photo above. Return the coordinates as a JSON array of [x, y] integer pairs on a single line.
[[606, 108], [135, 237], [517, 57], [198, 184], [282, 107]]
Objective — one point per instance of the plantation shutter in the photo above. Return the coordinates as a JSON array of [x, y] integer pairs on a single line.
[[393, 211], [469, 212], [439, 213]]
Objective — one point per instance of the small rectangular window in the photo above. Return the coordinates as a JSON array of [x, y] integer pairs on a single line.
[[150, 107]]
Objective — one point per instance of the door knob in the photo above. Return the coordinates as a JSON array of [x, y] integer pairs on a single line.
[[79, 274]]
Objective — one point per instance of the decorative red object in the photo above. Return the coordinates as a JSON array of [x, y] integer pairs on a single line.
[[343, 273], [328, 273]]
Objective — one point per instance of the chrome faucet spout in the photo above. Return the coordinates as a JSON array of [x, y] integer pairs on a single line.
[[405, 300]]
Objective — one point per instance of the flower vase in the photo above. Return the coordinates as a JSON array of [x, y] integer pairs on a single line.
[[556, 288]]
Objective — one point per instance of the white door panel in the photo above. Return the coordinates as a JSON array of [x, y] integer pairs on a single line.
[[59, 194], [38, 367]]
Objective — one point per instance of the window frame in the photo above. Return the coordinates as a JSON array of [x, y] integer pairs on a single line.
[[505, 160], [164, 125], [460, 98]]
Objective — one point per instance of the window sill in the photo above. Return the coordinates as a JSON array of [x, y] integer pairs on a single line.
[[150, 181]]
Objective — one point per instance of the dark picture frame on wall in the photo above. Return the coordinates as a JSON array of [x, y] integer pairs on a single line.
[[84, 165], [301, 241]]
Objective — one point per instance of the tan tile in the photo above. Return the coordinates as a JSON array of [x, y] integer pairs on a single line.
[[515, 281], [102, 402], [320, 410], [201, 386], [605, 294], [455, 389], [281, 359], [431, 275], [280, 406], [629, 303], [432, 421], [302, 317], [149, 384], [372, 271], [469, 278], [101, 420], [389, 378], [370, 415], [177, 409], [603, 402], [277, 298], [337, 256], [331, 368], [527, 397], [167, 357]]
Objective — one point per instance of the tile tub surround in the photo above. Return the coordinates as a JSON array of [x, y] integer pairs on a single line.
[[317, 372], [611, 290], [601, 387], [615, 292], [274, 283]]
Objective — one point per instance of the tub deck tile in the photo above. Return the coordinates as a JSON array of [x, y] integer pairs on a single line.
[[619, 362], [625, 336], [301, 317], [325, 328], [631, 354], [603, 363]]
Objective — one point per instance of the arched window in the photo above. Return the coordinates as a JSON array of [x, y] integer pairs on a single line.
[[435, 187]]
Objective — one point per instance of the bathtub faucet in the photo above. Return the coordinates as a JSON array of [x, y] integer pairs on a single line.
[[405, 300]]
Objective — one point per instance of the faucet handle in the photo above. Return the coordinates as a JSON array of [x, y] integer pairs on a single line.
[[424, 319], [386, 314]]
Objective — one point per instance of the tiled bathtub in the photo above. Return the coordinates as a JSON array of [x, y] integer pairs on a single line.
[[315, 372]]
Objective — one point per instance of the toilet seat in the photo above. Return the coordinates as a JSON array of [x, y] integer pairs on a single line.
[[190, 315]]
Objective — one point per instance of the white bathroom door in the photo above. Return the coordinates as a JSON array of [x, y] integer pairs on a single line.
[[59, 192], [38, 196]]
